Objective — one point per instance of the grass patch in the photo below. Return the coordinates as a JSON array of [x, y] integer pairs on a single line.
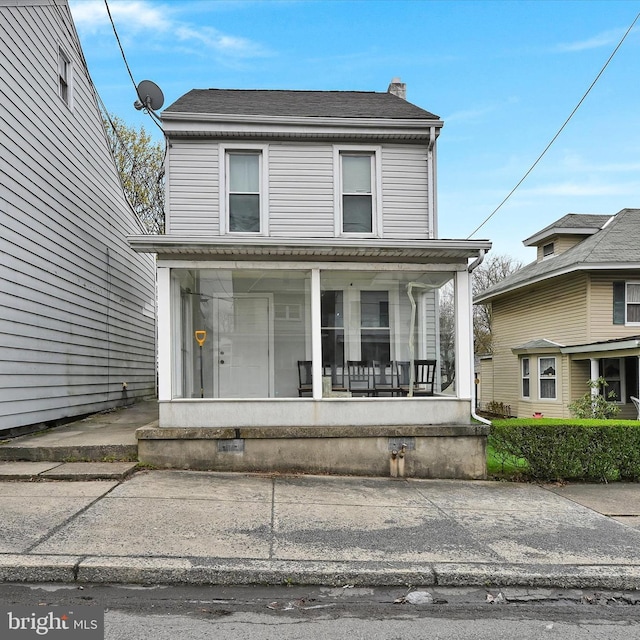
[[504, 465]]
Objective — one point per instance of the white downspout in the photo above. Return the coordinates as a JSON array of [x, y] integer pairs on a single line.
[[476, 263]]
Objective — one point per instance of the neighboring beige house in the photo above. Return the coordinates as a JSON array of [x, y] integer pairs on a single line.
[[301, 238], [571, 316]]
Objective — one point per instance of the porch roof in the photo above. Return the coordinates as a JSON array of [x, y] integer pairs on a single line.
[[327, 250], [616, 344]]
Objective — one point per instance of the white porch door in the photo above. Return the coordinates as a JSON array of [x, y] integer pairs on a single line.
[[241, 349]]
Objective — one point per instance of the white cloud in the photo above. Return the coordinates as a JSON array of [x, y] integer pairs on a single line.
[[160, 21], [604, 39]]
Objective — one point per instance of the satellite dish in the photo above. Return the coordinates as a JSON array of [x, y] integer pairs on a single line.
[[151, 96]]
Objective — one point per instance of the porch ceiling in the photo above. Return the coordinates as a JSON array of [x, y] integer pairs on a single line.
[[411, 251]]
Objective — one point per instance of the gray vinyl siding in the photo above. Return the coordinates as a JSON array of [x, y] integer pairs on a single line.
[[193, 188], [405, 193], [301, 191], [76, 303]]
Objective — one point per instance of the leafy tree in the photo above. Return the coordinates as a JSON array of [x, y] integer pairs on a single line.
[[140, 163], [493, 270]]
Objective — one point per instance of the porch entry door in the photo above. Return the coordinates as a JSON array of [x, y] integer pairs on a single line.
[[241, 350]]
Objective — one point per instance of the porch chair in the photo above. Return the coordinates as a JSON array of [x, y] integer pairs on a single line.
[[304, 377], [423, 380], [385, 378], [636, 404], [360, 377]]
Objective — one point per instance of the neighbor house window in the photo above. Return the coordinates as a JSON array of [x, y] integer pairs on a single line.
[[626, 303], [547, 250], [547, 368], [526, 378], [64, 77]]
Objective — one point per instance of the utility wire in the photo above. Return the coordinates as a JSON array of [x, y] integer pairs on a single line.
[[154, 117], [566, 122]]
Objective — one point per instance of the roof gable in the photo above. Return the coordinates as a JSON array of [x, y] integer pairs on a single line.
[[616, 245]]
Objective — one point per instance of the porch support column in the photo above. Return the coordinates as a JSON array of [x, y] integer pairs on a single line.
[[164, 333], [316, 336], [595, 374], [464, 335]]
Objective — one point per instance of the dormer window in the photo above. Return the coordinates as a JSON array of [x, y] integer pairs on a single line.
[[548, 250]]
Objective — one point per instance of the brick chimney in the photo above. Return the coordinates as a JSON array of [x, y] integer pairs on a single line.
[[398, 88]]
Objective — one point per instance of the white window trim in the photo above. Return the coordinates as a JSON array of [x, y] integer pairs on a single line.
[[263, 150], [376, 185], [626, 303], [62, 53], [540, 378], [524, 377]]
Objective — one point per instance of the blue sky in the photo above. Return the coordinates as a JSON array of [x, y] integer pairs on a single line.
[[503, 76]]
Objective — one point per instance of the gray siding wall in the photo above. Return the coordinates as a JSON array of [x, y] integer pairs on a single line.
[[301, 190], [76, 304]]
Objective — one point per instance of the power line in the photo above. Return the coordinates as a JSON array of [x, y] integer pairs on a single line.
[[566, 122]]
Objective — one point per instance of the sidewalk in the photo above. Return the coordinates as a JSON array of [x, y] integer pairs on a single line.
[[204, 527]]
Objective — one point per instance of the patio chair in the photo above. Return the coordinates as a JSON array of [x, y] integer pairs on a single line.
[[360, 377], [636, 404]]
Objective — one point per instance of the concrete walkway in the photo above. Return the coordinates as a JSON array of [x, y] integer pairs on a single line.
[[116, 523], [204, 527]]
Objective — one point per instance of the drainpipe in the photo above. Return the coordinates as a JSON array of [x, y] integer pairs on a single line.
[[476, 263], [431, 182]]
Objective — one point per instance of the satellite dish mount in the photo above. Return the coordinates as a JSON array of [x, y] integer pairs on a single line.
[[150, 96]]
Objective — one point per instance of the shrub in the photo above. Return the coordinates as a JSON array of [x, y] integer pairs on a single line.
[[593, 450], [598, 405]]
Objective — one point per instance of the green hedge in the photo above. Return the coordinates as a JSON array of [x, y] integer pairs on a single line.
[[592, 450]]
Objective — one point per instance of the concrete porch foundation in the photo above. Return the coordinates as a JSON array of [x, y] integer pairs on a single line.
[[432, 451]]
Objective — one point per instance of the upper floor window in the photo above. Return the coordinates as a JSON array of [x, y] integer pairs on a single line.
[[64, 77], [358, 191], [547, 368], [243, 192], [626, 303], [526, 378], [548, 250]]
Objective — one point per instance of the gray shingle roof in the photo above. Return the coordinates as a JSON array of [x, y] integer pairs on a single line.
[[341, 104], [573, 222], [617, 244]]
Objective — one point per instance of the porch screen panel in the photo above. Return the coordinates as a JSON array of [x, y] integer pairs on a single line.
[[254, 326]]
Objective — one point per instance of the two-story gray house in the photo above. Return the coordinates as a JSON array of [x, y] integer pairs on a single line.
[[298, 289], [77, 305]]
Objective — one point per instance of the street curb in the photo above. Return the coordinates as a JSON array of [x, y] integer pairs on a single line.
[[214, 571]]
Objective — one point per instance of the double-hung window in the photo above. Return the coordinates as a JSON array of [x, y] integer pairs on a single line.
[[547, 378], [375, 345], [358, 193], [626, 303], [526, 378], [243, 197]]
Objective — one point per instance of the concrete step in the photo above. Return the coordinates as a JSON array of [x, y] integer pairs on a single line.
[[51, 470], [32, 452]]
